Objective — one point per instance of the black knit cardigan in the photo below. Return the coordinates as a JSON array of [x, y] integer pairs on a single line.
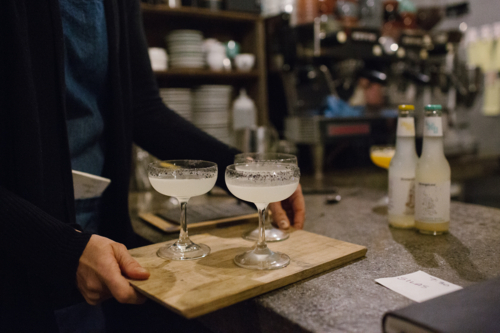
[[39, 247]]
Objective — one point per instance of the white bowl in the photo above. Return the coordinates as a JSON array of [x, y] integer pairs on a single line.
[[244, 62]]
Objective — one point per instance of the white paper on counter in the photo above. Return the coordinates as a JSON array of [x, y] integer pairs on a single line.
[[418, 286], [88, 186]]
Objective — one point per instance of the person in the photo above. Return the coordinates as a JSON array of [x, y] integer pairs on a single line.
[[76, 91]]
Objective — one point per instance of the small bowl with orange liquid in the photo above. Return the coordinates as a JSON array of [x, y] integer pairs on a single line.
[[381, 156]]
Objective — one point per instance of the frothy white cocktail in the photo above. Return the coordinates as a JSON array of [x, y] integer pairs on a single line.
[[182, 188], [263, 183], [262, 194]]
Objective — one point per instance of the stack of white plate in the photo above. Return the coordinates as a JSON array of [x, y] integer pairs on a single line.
[[185, 49], [179, 100], [211, 105]]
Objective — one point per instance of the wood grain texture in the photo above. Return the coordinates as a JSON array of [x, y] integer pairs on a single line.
[[194, 288], [197, 73], [168, 226], [198, 13]]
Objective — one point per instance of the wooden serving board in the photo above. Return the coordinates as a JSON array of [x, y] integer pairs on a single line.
[[197, 287], [169, 227]]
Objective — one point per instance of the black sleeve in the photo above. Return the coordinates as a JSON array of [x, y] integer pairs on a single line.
[[39, 244], [158, 129]]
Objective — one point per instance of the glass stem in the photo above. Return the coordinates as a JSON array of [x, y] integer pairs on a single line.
[[261, 243], [183, 236], [267, 221]]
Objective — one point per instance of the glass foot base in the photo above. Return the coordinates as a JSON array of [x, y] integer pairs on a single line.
[[190, 252], [272, 235], [401, 226], [434, 233], [262, 260], [382, 202]]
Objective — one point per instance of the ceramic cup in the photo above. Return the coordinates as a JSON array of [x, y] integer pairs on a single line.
[[215, 54], [215, 60], [244, 62], [159, 58]]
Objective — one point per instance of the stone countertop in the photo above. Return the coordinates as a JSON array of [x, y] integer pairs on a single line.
[[347, 299]]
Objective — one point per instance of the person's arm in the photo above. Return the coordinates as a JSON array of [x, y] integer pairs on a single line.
[[157, 129], [53, 251], [169, 136], [40, 244]]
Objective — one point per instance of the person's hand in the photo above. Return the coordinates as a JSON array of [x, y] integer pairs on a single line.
[[289, 210], [101, 271]]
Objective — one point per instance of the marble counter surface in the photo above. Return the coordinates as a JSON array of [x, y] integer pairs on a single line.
[[347, 299]]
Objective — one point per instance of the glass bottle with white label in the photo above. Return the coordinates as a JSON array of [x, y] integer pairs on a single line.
[[432, 178], [402, 172]]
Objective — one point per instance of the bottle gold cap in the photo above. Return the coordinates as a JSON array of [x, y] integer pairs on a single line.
[[406, 107]]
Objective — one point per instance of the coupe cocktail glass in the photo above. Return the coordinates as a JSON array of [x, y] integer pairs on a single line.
[[183, 179], [262, 183], [272, 234], [381, 156]]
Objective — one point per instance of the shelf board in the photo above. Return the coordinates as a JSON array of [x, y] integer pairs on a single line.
[[205, 73], [195, 12]]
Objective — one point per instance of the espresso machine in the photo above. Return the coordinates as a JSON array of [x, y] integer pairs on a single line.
[[327, 113], [341, 86]]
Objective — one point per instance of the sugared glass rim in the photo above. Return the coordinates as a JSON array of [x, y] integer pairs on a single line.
[[292, 168], [265, 161], [183, 165], [266, 157]]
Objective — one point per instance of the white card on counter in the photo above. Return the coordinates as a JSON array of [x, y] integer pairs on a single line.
[[418, 286], [88, 186]]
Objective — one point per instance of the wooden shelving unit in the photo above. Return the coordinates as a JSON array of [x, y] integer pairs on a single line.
[[245, 28], [193, 12], [206, 73]]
